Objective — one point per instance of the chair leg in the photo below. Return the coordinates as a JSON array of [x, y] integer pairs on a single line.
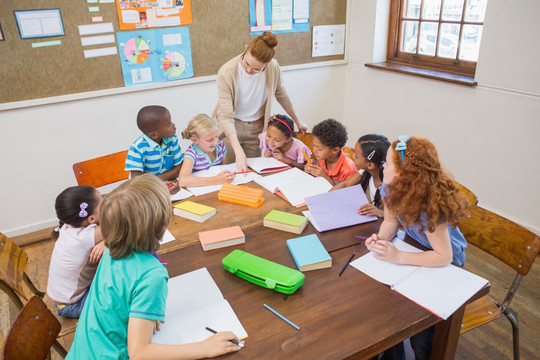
[[59, 349], [512, 316]]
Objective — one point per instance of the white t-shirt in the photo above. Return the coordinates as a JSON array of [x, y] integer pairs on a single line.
[[251, 95], [71, 272]]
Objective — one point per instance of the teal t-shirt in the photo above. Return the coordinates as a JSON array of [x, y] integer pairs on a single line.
[[122, 288]]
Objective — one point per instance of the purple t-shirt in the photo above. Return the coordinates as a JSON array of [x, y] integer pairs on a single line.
[[201, 161]]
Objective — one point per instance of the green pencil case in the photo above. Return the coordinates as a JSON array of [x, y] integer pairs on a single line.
[[262, 272]]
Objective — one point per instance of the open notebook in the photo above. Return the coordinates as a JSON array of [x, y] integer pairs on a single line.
[[213, 171], [441, 290], [195, 302], [295, 185]]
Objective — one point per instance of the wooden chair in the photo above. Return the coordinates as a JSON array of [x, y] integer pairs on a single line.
[[306, 138], [471, 197], [15, 282], [101, 171], [349, 151], [33, 333], [512, 244]]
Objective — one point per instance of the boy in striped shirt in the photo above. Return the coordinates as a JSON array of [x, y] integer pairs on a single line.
[[156, 151]]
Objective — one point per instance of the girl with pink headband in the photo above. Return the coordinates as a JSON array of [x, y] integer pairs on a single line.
[[279, 141]]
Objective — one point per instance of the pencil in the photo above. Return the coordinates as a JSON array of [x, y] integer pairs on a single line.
[[243, 172], [305, 155], [360, 237], [282, 317], [346, 264], [233, 341]]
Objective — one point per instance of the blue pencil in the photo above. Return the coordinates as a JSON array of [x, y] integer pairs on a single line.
[[282, 317]]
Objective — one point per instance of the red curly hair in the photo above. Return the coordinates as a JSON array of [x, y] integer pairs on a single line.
[[421, 185]]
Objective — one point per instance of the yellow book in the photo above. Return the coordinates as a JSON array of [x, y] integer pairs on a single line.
[[193, 211]]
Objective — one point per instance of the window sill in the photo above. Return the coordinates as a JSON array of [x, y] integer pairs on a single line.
[[425, 73]]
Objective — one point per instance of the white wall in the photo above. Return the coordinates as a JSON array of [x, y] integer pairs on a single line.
[[488, 136], [41, 143]]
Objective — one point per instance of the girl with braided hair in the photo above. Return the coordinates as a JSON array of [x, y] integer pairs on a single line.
[[420, 196]]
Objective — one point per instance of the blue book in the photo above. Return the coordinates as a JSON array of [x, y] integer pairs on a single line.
[[309, 253]]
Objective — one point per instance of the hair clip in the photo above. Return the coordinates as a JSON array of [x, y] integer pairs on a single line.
[[57, 229], [402, 146], [83, 212], [370, 156]]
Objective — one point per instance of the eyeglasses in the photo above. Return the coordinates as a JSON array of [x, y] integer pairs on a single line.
[[247, 67], [402, 146]]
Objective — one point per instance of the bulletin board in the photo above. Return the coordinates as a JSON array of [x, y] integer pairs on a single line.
[[220, 31]]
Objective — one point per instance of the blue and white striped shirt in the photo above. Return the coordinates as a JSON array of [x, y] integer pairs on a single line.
[[147, 156], [201, 160]]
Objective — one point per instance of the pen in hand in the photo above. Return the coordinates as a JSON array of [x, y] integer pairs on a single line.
[[232, 340], [346, 264]]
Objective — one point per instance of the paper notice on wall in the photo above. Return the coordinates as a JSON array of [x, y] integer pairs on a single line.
[[328, 40]]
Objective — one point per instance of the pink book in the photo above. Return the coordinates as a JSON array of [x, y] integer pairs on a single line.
[[215, 239]]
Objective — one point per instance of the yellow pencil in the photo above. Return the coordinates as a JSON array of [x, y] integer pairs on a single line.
[[309, 161]]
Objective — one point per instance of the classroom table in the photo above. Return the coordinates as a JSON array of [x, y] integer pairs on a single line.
[[347, 317]]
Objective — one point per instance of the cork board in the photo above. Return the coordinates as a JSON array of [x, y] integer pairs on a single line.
[[220, 31]]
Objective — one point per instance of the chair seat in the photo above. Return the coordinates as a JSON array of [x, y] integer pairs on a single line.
[[68, 325], [479, 312]]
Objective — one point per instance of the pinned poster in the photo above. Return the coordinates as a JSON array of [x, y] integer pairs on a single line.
[[155, 55], [328, 40], [139, 14], [278, 16]]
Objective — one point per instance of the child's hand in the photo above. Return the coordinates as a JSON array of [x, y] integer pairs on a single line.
[[173, 187], [97, 251], [314, 170], [369, 209], [219, 344], [371, 240], [278, 155], [385, 250], [157, 326], [224, 176], [267, 153]]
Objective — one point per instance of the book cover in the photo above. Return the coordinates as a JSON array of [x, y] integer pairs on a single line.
[[215, 239], [309, 253], [441, 290], [193, 211], [338, 209], [195, 302], [264, 165], [281, 220]]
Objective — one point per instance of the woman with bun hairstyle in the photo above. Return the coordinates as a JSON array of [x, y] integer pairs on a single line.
[[247, 86]]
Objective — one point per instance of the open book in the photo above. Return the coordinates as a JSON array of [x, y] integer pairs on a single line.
[[295, 185], [215, 170], [441, 290], [195, 302], [266, 164]]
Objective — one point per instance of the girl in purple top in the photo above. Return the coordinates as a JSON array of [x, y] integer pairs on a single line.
[[280, 142], [206, 151]]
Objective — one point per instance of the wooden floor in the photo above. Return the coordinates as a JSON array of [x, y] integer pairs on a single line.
[[490, 342]]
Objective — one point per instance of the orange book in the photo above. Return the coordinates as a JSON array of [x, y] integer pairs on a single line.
[[215, 239], [241, 194]]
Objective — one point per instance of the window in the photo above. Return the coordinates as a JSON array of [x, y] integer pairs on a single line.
[[442, 35]]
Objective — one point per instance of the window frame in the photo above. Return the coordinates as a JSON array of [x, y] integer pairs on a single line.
[[438, 64]]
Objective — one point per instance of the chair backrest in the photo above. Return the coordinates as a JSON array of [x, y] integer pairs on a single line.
[[307, 139], [12, 271], [507, 241], [33, 333], [101, 171], [471, 197], [349, 151]]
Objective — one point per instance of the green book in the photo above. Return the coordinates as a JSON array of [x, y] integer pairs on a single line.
[[281, 220]]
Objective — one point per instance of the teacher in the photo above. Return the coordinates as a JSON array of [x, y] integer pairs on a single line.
[[247, 85]]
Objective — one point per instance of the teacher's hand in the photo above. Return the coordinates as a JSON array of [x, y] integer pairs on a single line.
[[241, 162], [302, 127]]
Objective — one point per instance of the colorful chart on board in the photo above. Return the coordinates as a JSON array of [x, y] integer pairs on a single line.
[[136, 50], [174, 65], [155, 55], [144, 14]]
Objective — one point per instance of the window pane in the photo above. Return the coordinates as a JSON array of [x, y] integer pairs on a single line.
[[475, 10], [409, 36], [412, 9], [448, 41], [452, 10], [428, 38], [470, 42], [431, 9]]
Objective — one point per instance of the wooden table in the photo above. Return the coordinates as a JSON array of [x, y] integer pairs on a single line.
[[347, 317]]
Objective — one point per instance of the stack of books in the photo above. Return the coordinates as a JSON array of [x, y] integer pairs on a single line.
[[215, 239], [193, 211], [281, 220]]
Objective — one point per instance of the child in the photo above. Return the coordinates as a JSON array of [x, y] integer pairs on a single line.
[[77, 250], [207, 150], [156, 151], [127, 300], [329, 136], [280, 142], [421, 197], [369, 156]]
